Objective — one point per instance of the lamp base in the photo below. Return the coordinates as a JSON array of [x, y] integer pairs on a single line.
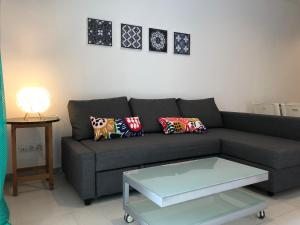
[[28, 115]]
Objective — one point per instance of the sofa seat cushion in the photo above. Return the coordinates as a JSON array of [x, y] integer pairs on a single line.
[[153, 147], [273, 152]]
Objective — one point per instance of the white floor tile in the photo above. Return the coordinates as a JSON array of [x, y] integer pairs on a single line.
[[292, 218], [36, 205], [278, 209]]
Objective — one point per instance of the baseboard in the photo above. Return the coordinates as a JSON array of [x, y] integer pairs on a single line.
[[56, 171]]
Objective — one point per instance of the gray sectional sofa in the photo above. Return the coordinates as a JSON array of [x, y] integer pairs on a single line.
[[95, 169]]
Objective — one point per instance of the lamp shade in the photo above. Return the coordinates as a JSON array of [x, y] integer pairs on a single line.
[[33, 99]]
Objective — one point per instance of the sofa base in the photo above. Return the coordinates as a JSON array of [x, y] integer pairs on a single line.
[[110, 182], [79, 167]]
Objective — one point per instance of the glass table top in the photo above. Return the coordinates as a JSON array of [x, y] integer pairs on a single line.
[[207, 210], [173, 179]]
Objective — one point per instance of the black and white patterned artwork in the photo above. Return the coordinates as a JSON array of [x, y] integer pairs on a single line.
[[182, 43], [158, 40], [99, 32], [131, 36]]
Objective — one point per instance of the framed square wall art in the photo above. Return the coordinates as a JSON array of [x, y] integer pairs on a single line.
[[99, 32], [131, 36], [158, 40], [182, 43]]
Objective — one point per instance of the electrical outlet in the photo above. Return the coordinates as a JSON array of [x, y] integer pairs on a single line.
[[30, 148], [39, 147], [22, 149]]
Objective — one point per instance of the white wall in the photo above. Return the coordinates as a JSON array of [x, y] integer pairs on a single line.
[[243, 51]]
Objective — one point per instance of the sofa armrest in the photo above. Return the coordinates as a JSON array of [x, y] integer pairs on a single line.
[[278, 126], [78, 164]]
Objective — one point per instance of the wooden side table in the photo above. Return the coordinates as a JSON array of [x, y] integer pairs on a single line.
[[45, 172]]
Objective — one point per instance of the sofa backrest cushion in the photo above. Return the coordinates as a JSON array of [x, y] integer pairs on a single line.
[[149, 110], [80, 112], [204, 109], [277, 126]]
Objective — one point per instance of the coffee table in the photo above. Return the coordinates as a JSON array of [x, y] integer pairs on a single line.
[[199, 192]]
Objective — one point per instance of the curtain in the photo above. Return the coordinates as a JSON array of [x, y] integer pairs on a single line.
[[3, 153]]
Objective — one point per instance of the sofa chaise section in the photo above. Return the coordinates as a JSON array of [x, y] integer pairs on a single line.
[[267, 142], [276, 126], [273, 152]]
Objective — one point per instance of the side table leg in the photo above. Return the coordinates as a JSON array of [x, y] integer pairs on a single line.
[[49, 154], [14, 160]]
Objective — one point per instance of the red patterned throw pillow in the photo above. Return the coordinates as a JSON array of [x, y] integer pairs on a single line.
[[129, 127], [173, 125]]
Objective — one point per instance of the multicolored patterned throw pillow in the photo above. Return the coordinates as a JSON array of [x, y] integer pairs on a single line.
[[103, 127], [173, 125], [129, 127], [110, 128]]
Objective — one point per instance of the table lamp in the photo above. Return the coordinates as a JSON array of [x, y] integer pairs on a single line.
[[33, 100]]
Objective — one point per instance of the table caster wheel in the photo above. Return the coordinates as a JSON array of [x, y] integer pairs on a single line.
[[128, 218], [261, 215]]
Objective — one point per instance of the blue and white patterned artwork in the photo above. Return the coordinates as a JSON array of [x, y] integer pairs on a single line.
[[99, 32], [131, 36], [182, 43], [158, 40]]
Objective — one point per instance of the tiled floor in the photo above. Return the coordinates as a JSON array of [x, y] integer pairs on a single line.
[[36, 205]]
